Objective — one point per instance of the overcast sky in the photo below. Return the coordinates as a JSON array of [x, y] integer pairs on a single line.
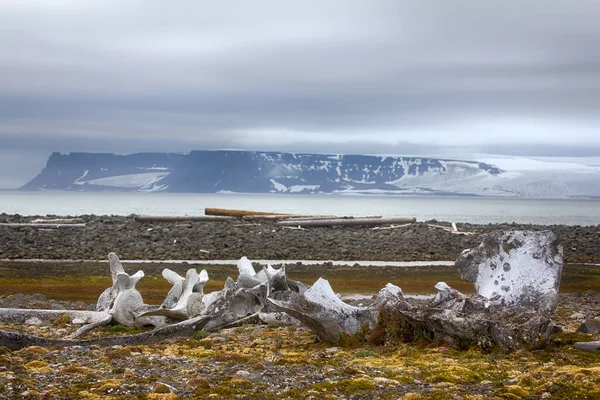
[[339, 76]]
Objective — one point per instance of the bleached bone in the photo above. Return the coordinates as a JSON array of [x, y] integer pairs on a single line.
[[16, 341], [108, 296], [516, 275], [245, 267], [128, 302], [277, 278], [233, 303], [323, 312], [122, 300], [247, 277], [199, 286], [177, 280], [447, 296], [391, 297], [188, 297], [175, 293], [516, 268]]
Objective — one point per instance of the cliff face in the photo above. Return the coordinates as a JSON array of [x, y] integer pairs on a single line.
[[250, 172], [103, 171]]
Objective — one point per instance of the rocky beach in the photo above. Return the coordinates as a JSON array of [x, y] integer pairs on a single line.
[[264, 239]]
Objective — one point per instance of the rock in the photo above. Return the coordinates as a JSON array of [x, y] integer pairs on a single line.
[[587, 346], [516, 390], [242, 373], [557, 329], [381, 381], [591, 326], [163, 388], [516, 268], [197, 383]]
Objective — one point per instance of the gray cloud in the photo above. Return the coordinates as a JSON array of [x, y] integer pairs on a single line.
[[519, 77]]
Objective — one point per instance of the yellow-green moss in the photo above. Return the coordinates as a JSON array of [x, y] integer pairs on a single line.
[[345, 386]]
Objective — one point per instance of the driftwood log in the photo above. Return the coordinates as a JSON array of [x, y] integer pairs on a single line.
[[40, 225], [57, 221], [238, 213], [174, 218], [349, 221], [16, 341]]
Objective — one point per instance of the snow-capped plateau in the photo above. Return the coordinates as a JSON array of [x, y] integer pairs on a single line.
[[274, 172]]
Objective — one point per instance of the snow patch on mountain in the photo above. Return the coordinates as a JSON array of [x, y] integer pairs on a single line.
[[145, 180]]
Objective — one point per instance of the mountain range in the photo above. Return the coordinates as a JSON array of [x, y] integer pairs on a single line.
[[277, 172]]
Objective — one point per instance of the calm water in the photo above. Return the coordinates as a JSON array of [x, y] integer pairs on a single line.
[[474, 210]]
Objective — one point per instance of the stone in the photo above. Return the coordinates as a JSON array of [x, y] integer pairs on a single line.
[[591, 326], [197, 383], [557, 329], [163, 388], [587, 346], [381, 381], [516, 268]]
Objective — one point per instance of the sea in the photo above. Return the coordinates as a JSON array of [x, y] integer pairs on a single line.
[[477, 210]]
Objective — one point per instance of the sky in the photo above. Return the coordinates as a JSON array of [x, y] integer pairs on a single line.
[[437, 78]]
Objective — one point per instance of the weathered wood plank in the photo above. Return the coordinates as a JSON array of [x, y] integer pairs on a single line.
[[349, 221], [237, 213], [22, 224], [177, 218]]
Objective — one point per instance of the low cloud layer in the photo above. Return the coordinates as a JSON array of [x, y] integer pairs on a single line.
[[403, 77]]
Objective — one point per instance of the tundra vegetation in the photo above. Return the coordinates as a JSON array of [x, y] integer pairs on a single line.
[[267, 336]]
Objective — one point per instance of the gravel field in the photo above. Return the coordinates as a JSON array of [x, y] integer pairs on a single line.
[[264, 240]]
